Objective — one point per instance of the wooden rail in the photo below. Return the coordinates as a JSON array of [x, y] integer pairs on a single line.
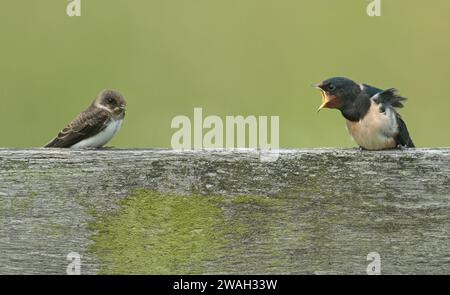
[[313, 211]]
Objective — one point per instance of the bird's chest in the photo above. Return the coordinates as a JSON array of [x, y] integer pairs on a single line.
[[110, 131], [376, 130], [102, 137]]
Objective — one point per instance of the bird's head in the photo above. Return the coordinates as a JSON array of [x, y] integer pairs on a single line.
[[337, 92], [112, 100]]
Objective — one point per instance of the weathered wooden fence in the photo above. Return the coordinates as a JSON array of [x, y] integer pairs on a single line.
[[315, 211]]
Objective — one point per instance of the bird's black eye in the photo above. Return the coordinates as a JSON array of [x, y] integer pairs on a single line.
[[331, 87], [110, 100]]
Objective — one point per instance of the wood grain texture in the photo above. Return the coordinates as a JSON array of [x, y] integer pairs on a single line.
[[331, 207]]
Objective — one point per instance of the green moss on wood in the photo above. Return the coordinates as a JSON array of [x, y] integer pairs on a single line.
[[153, 233]]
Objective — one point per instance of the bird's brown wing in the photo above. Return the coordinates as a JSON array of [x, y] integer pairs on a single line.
[[85, 125]]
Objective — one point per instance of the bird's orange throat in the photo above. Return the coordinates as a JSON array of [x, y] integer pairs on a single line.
[[329, 101]]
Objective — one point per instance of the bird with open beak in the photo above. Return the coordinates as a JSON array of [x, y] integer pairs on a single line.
[[370, 112]]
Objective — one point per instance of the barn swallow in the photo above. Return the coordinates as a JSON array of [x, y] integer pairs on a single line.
[[97, 125], [372, 119]]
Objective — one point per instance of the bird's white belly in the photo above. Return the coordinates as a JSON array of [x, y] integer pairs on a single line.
[[101, 138], [376, 131]]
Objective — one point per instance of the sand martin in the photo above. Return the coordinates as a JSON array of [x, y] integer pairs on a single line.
[[372, 119], [97, 125]]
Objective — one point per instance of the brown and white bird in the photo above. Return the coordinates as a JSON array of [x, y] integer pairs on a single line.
[[96, 126]]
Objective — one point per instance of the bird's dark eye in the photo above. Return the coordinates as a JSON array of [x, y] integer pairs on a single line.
[[331, 87], [110, 99]]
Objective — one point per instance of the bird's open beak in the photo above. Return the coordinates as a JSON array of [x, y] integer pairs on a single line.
[[325, 99], [328, 101]]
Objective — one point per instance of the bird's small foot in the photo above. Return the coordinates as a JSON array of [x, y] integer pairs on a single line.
[[401, 147], [361, 149]]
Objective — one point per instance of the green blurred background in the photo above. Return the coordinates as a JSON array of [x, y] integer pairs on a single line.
[[230, 57]]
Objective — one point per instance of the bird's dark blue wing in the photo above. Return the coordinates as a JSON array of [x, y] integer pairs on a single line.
[[403, 137], [390, 99], [370, 90]]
